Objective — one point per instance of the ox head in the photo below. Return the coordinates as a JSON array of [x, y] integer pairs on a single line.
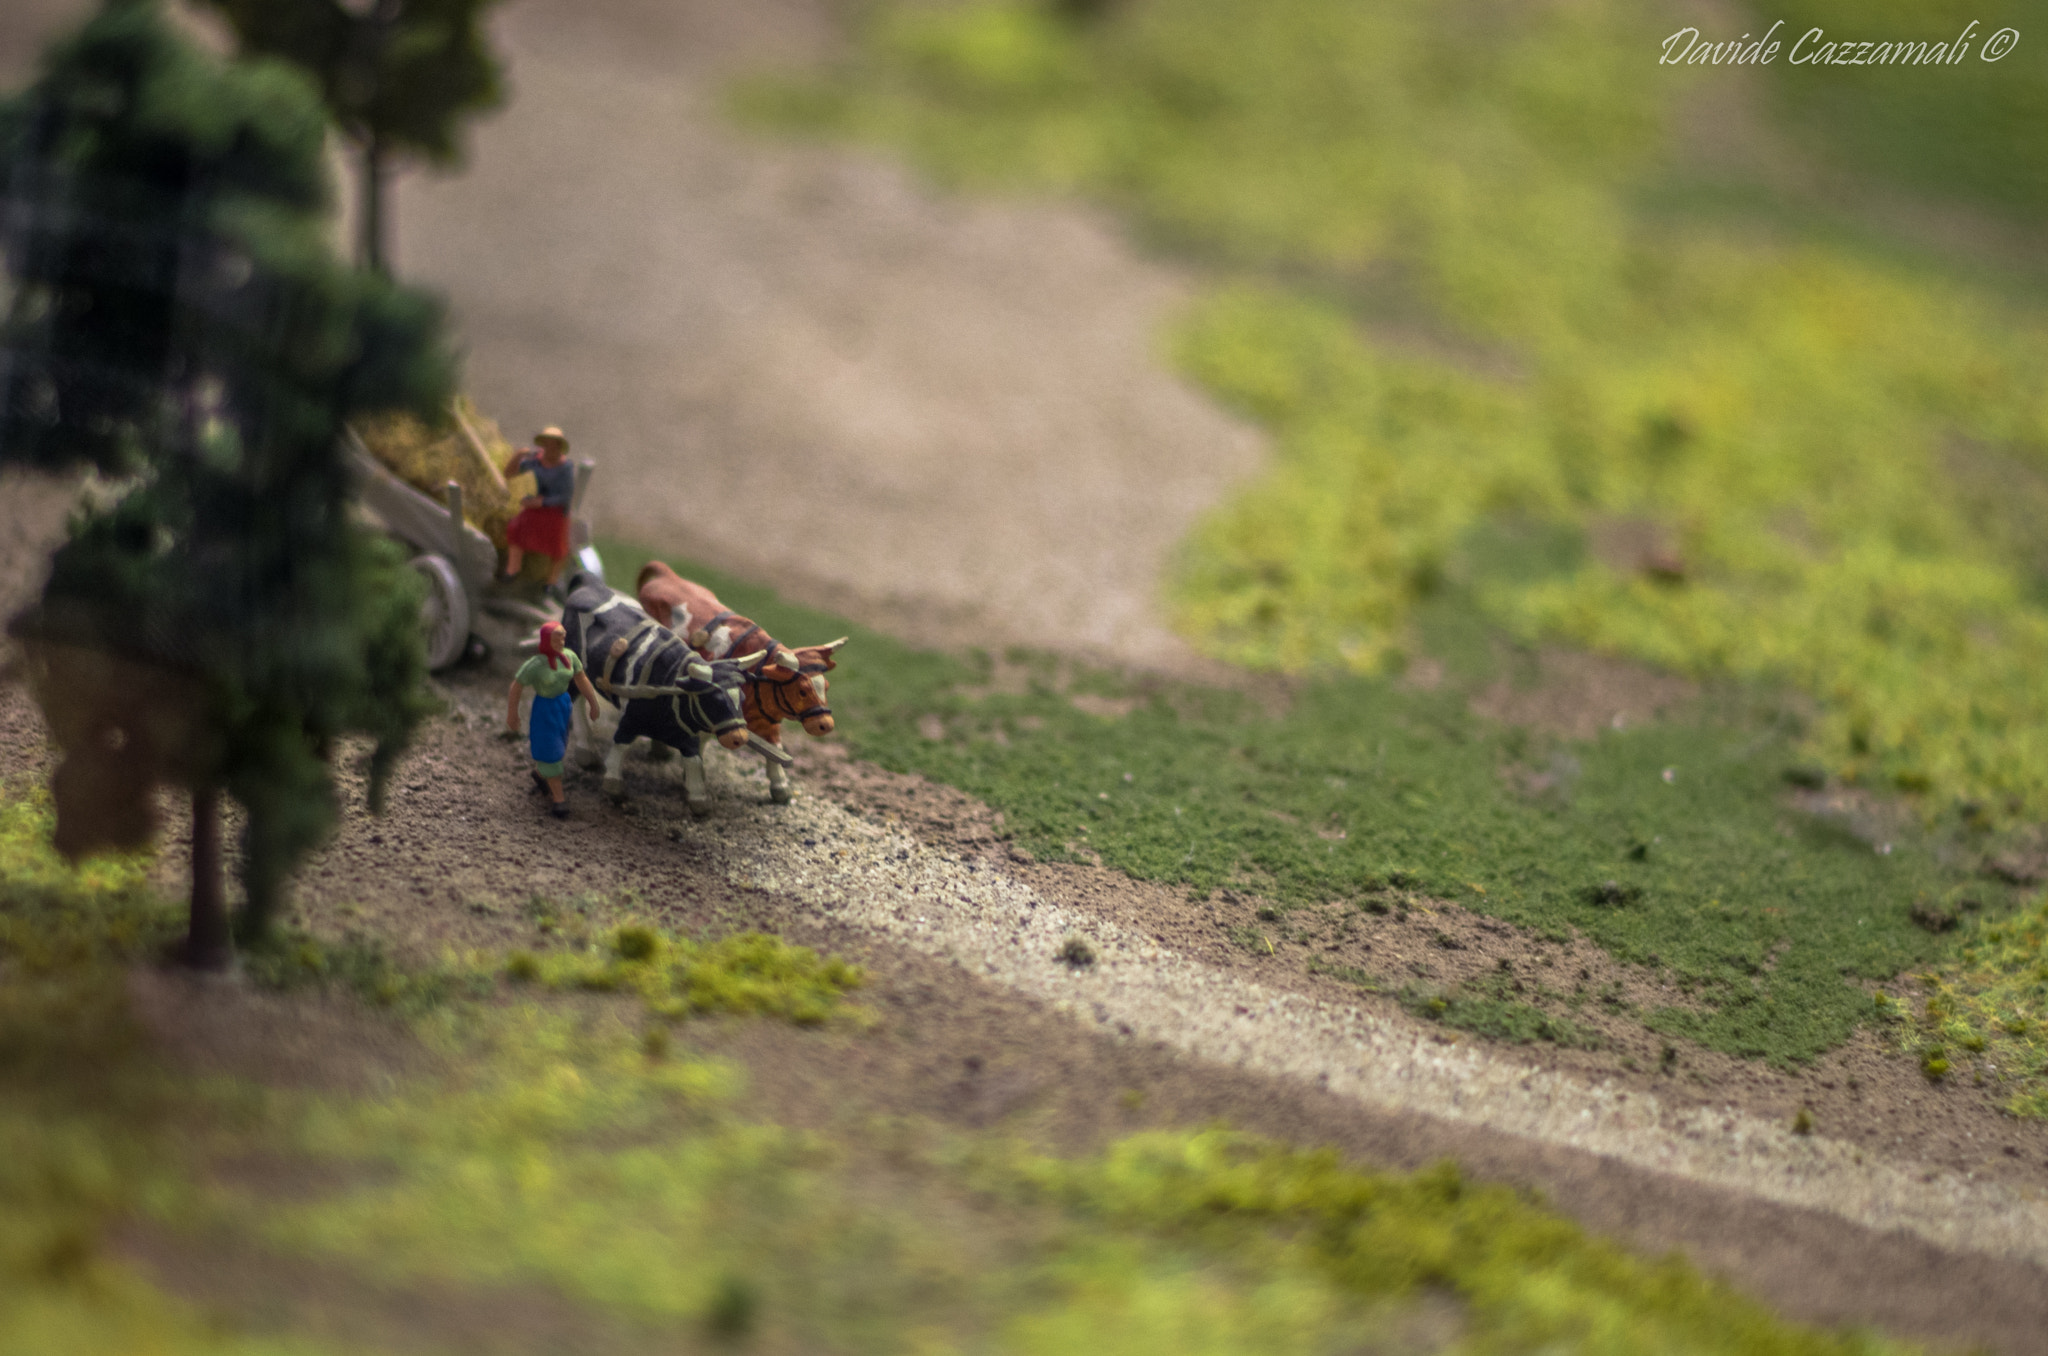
[[801, 675], [716, 684]]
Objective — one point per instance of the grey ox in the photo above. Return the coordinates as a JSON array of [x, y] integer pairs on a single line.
[[653, 685]]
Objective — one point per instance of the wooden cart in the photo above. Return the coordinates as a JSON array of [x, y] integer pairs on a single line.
[[456, 560]]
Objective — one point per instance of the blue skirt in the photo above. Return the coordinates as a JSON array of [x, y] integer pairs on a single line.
[[547, 727]]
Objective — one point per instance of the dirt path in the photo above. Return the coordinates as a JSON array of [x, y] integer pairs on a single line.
[[802, 365]]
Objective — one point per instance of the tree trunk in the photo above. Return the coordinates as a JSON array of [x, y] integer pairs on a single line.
[[206, 945], [370, 249]]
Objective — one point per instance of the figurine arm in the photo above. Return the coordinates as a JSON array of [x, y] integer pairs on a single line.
[[512, 707], [589, 693]]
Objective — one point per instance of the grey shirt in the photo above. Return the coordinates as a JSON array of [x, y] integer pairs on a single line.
[[556, 485]]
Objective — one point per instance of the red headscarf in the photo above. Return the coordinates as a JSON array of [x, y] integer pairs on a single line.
[[551, 638]]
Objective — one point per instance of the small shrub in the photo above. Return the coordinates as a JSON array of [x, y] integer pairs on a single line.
[[1802, 1124], [1933, 916], [748, 973], [636, 942], [1076, 952], [733, 1310]]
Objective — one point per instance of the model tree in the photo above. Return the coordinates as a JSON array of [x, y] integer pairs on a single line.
[[174, 316], [398, 76]]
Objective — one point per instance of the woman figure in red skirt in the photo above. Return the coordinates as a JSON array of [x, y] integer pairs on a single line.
[[542, 525]]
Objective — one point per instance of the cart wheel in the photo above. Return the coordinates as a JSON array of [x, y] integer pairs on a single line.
[[444, 614]]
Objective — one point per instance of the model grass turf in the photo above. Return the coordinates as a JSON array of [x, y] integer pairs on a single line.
[[1772, 920], [1828, 443], [749, 974], [82, 1104], [675, 977], [1987, 1009], [558, 1153]]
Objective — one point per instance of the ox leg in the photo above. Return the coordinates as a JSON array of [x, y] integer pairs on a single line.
[[599, 744], [696, 794], [615, 772], [781, 789], [584, 737]]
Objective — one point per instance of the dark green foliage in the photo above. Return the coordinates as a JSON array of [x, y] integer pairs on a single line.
[[176, 311], [1484, 1009], [731, 1313], [118, 163], [398, 77], [360, 965]]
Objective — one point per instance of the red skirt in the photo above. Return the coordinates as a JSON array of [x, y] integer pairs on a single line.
[[544, 531]]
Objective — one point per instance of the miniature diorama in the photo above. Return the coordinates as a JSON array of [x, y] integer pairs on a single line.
[[1444, 751]]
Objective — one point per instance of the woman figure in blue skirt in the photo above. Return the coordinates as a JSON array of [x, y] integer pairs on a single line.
[[550, 674]]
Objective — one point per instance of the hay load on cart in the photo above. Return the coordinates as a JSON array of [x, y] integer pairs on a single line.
[[439, 490]]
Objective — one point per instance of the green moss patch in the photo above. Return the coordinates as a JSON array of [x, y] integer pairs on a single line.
[[1486, 1011], [1526, 1278], [748, 974], [1982, 1016]]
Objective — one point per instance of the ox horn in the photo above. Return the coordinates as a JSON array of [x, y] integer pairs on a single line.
[[699, 670], [747, 661], [830, 646]]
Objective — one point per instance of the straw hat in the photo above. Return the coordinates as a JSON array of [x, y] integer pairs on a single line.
[[551, 434]]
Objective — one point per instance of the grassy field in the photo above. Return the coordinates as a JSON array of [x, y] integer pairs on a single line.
[[566, 1154], [1536, 364], [1467, 275], [1365, 794]]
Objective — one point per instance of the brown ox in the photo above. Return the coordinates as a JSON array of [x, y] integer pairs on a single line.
[[784, 684]]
